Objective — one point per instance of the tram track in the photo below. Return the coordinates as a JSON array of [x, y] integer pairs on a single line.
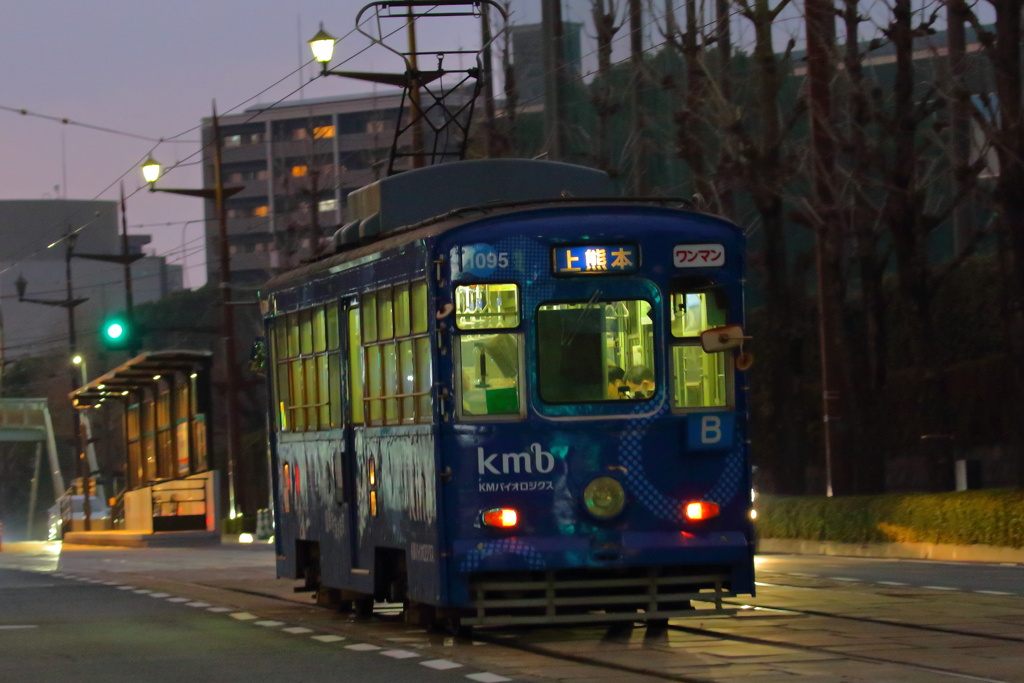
[[518, 643]]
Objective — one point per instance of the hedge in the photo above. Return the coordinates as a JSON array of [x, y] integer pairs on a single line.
[[993, 517]]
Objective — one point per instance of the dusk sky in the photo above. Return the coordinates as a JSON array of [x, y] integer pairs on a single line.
[[152, 69]]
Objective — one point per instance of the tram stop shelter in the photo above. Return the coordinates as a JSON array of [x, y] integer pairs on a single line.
[[172, 495]]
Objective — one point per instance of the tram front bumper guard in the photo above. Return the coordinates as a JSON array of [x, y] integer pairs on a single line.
[[594, 600]]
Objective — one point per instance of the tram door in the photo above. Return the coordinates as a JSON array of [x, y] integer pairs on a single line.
[[346, 461]]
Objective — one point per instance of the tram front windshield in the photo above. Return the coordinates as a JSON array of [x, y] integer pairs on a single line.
[[595, 351]]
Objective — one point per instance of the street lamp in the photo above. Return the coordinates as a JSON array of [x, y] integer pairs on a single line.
[[79, 360], [151, 170], [322, 45]]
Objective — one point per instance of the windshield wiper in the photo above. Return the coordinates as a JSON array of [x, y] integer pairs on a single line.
[[583, 314]]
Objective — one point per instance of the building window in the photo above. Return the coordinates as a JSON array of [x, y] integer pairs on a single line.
[[263, 175], [299, 171], [260, 211], [256, 138], [328, 205], [299, 134], [699, 380], [489, 363], [396, 353], [307, 364], [321, 132], [374, 127], [232, 140]]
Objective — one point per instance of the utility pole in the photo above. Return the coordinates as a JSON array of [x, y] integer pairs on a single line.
[[128, 302], [227, 320], [820, 21], [956, 41], [554, 74], [638, 179], [414, 95], [488, 76]]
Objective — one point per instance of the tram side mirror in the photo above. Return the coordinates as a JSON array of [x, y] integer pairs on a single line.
[[258, 356], [722, 338]]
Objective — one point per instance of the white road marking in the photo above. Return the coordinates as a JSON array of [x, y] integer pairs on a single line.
[[842, 578], [197, 604], [268, 623], [95, 580], [126, 588], [993, 592], [142, 591], [808, 576], [111, 583], [297, 630], [940, 588], [178, 599], [17, 627], [218, 609], [440, 664], [891, 583], [328, 639], [159, 595], [242, 616], [487, 677], [362, 647], [399, 654]]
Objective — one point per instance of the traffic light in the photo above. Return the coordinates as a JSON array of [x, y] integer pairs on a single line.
[[116, 333]]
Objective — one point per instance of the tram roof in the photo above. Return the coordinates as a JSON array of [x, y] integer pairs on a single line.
[[426, 202], [139, 372]]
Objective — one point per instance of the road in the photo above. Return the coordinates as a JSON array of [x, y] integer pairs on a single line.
[[218, 614], [973, 577]]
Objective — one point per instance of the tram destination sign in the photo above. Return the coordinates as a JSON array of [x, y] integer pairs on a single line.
[[595, 259]]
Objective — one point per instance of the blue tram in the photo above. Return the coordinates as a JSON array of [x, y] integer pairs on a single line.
[[493, 404]]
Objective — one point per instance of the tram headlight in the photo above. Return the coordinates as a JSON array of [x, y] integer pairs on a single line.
[[604, 497]]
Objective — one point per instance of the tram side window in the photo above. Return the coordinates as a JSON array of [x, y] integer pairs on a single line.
[[699, 380], [396, 371], [490, 363], [307, 369], [595, 351]]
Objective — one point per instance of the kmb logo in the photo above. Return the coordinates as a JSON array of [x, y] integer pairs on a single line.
[[537, 460]]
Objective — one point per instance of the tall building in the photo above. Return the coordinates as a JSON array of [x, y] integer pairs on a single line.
[[297, 162], [528, 59]]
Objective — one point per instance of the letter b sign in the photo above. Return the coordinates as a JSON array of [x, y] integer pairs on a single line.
[[711, 432]]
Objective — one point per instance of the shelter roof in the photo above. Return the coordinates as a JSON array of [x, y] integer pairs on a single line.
[[138, 373]]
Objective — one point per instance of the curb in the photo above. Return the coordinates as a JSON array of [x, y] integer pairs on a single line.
[[908, 551]]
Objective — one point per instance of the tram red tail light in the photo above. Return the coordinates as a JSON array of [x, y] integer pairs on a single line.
[[701, 510], [500, 517]]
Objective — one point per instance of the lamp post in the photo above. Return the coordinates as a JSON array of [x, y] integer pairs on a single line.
[[79, 360], [69, 303], [151, 173]]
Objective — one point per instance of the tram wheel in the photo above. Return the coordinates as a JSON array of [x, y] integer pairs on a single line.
[[363, 607]]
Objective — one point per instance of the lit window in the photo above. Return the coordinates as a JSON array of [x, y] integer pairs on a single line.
[[323, 132], [483, 307], [374, 127], [260, 211], [232, 140], [299, 171], [299, 134], [262, 175], [328, 205], [235, 178], [699, 380]]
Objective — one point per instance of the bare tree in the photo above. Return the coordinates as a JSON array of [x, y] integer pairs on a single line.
[[604, 99]]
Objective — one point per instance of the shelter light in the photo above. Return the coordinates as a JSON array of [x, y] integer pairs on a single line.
[[151, 170], [322, 45], [700, 510], [77, 360], [156, 377], [124, 393], [194, 375], [245, 538], [501, 517], [101, 386]]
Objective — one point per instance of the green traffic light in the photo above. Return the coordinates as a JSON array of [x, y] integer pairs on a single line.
[[115, 331]]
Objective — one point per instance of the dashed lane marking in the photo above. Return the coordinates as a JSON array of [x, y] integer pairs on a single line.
[[328, 639], [440, 664], [178, 599], [362, 647], [842, 578], [242, 616], [993, 592], [891, 583], [806, 576], [940, 588], [267, 623], [297, 630], [126, 588], [142, 591], [111, 583], [17, 627], [218, 609], [159, 595], [399, 654], [197, 604], [487, 677]]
